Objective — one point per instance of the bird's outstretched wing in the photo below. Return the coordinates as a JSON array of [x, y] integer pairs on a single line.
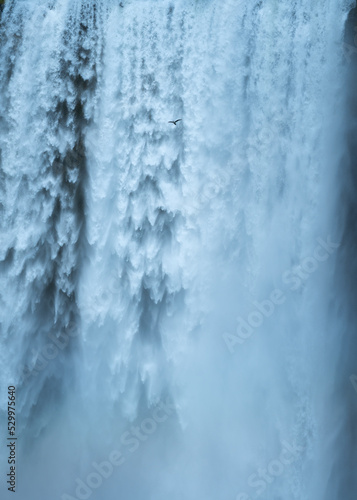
[[179, 120], [175, 121]]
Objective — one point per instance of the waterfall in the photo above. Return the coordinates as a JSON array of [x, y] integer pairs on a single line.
[[177, 301]]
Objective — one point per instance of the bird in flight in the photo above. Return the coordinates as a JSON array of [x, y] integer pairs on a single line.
[[175, 121]]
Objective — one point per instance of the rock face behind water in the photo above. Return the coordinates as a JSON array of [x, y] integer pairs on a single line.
[[351, 29]]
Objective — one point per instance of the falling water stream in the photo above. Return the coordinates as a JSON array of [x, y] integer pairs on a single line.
[[203, 270]]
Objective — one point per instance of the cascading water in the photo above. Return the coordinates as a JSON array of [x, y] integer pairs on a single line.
[[176, 300]]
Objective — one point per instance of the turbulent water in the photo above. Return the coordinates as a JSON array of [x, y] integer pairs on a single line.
[[182, 295]]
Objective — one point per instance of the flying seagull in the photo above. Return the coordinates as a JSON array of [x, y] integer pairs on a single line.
[[175, 121]]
